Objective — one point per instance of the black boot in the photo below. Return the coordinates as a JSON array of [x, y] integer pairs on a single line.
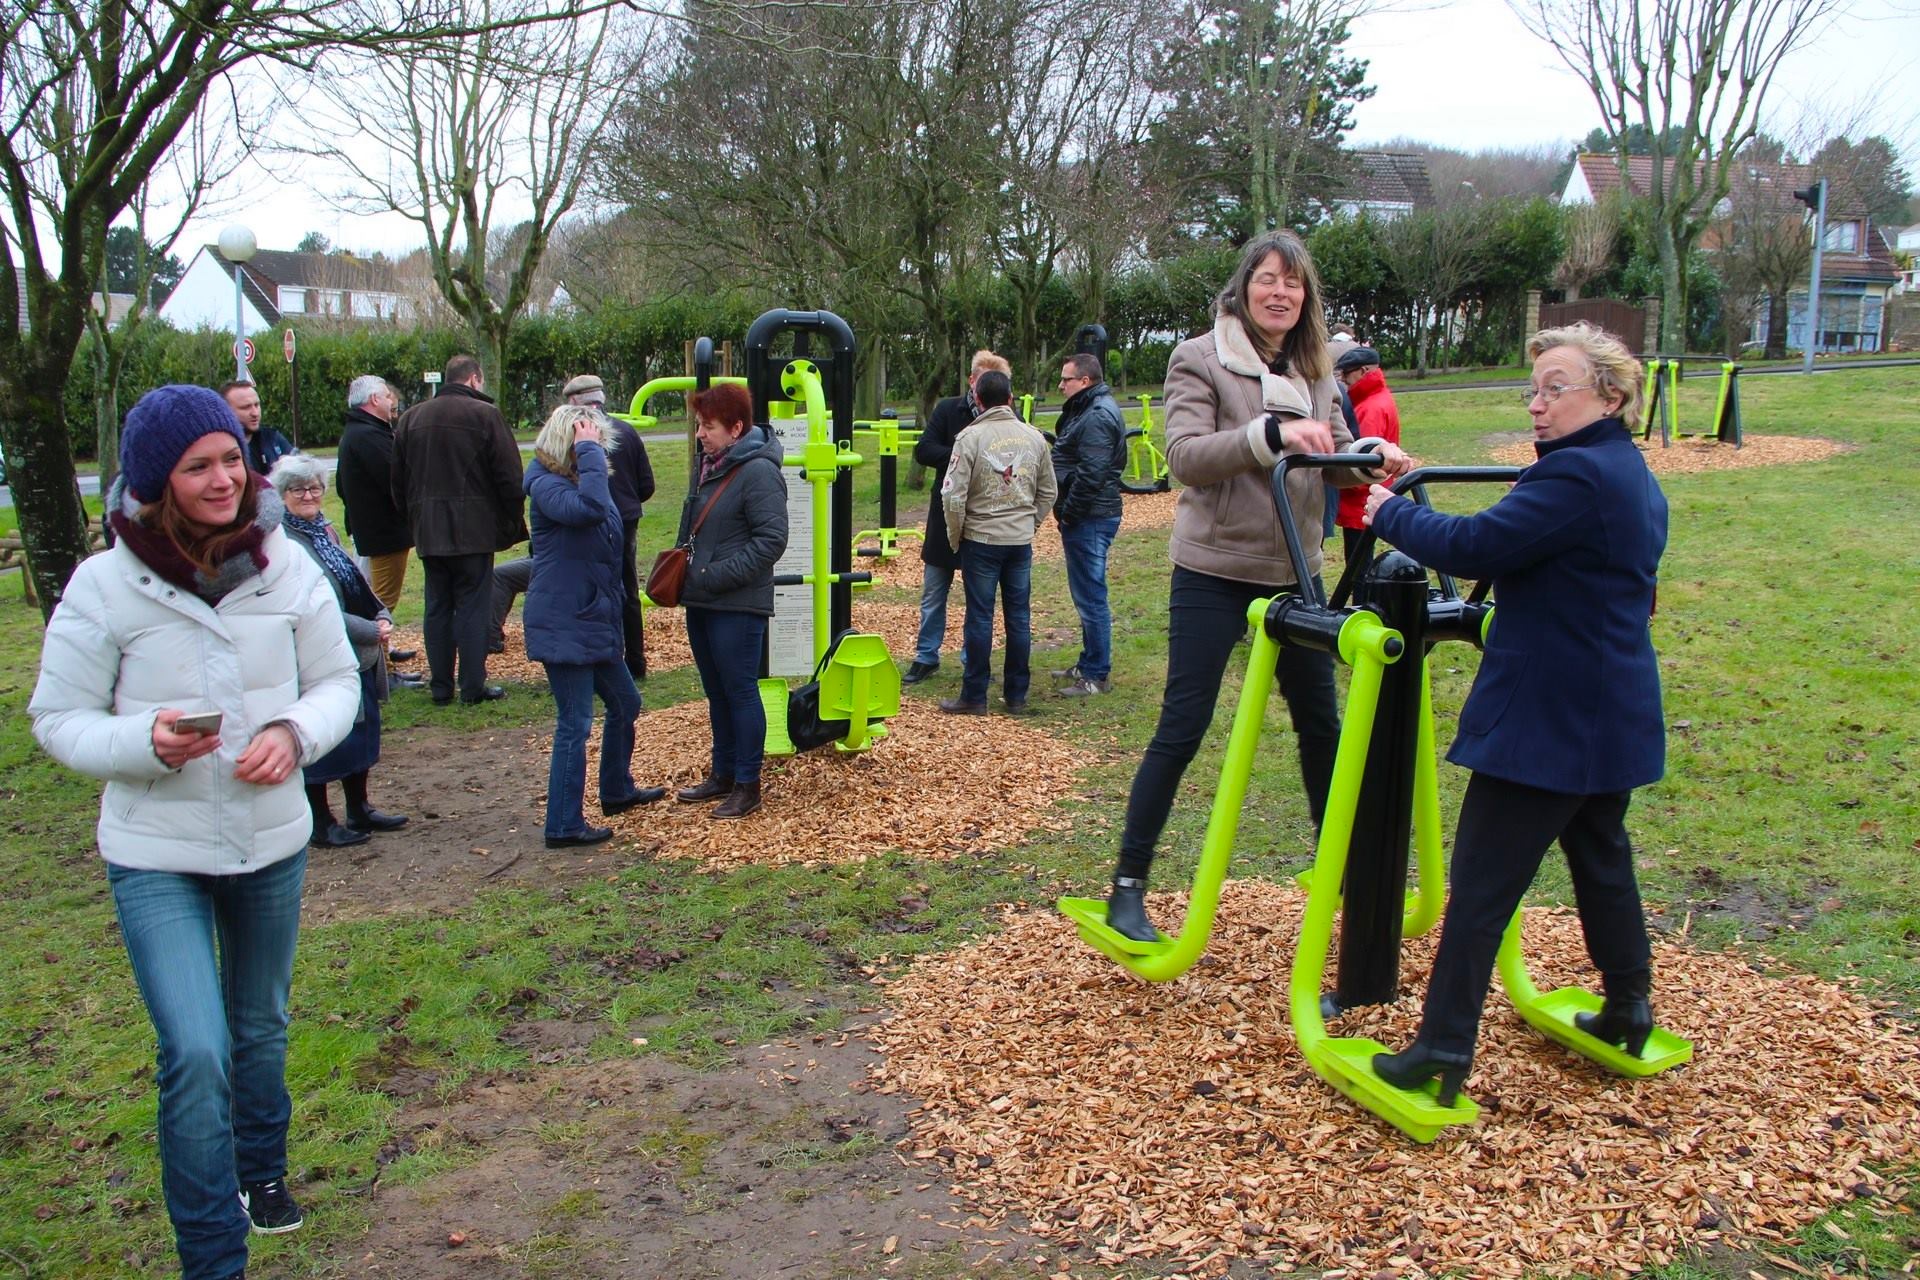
[[713, 788], [1418, 1064], [362, 816], [1127, 910], [1626, 1019], [741, 801]]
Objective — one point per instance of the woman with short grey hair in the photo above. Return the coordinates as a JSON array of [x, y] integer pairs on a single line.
[[301, 481]]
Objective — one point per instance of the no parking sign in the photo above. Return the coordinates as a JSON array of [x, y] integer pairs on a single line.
[[243, 350]]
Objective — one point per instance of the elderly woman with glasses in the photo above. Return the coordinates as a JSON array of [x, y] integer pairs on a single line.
[[1564, 719], [301, 482]]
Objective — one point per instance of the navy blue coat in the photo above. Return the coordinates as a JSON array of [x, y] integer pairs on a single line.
[[572, 612], [1568, 695]]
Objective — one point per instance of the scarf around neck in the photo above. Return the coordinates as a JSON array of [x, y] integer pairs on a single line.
[[355, 594], [247, 559]]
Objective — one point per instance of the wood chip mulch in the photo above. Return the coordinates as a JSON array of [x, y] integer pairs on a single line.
[[1177, 1123], [938, 786], [1691, 455]]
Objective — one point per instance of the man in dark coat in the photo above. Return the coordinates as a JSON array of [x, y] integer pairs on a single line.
[[631, 485], [1089, 453], [265, 446], [364, 480], [456, 473], [938, 559]]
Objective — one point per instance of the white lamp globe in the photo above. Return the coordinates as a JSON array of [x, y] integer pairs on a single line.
[[237, 243]]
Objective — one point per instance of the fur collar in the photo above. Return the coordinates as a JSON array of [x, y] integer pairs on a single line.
[[1236, 353]]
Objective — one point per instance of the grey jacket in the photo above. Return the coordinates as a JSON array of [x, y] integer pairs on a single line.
[[999, 484], [744, 534]]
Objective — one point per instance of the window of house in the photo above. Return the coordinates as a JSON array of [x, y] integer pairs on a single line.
[[1842, 237], [293, 300]]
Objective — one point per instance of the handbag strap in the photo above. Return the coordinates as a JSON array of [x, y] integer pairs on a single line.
[[702, 517]]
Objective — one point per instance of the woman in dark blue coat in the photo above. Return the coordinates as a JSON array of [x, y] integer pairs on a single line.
[[1564, 719], [573, 625]]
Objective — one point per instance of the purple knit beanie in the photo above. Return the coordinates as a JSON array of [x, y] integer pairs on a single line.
[[165, 424]]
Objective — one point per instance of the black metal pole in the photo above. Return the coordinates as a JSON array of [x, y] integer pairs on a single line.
[[1376, 885]]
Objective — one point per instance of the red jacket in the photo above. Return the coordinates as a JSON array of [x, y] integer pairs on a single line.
[[1379, 417]]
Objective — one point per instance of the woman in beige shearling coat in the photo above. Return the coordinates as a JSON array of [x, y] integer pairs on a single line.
[[1258, 386]]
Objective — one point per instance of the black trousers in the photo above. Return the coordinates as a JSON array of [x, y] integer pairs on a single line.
[[1206, 617], [631, 623], [1505, 830], [459, 609]]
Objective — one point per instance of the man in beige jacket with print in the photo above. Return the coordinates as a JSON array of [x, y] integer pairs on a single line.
[[999, 487]]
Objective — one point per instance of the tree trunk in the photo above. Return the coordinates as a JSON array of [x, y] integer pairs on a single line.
[[1777, 325], [1673, 297], [33, 429]]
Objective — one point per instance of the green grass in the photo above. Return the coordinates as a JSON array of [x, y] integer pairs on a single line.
[[1787, 824]]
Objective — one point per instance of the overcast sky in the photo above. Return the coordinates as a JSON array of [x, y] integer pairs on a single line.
[[1466, 75]]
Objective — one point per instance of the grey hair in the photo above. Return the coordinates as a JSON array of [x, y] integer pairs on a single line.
[[294, 468], [362, 389]]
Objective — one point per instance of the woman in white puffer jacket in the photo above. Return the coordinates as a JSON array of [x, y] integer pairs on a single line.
[[203, 606]]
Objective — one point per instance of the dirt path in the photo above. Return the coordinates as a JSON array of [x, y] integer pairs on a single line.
[[783, 1166], [475, 804]]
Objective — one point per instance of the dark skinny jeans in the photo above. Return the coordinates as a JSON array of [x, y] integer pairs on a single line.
[[1206, 617]]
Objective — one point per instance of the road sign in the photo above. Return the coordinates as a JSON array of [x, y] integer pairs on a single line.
[[432, 376], [243, 351], [286, 345]]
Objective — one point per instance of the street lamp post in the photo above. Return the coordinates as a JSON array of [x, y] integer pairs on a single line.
[[237, 245], [1815, 198]]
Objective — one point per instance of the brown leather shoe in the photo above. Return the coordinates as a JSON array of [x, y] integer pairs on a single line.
[[713, 788]]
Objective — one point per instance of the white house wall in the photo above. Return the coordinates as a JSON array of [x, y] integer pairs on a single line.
[[204, 299]]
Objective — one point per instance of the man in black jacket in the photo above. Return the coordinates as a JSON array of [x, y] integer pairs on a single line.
[[1089, 453], [631, 484], [457, 474], [265, 446], [938, 558], [364, 480]]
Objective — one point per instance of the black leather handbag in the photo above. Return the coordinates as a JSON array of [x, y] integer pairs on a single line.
[[805, 729]]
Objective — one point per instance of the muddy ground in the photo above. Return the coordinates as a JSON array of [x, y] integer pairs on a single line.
[[780, 1165]]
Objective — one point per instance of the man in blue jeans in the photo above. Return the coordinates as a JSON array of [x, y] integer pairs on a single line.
[[1089, 454], [999, 487]]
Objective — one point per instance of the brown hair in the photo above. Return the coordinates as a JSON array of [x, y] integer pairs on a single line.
[[205, 550], [1305, 345]]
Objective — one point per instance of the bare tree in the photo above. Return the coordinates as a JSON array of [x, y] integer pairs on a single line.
[[139, 75], [1763, 247], [1435, 256], [492, 134], [1592, 232], [1693, 75]]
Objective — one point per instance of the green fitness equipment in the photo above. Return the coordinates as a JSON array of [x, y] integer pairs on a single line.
[[1146, 470], [1026, 407], [885, 436], [1377, 780], [1663, 390], [867, 691]]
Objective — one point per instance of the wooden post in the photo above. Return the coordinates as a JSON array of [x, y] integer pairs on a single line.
[[1533, 320]]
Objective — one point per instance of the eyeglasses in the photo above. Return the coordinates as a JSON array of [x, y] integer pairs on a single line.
[[306, 490], [1552, 391]]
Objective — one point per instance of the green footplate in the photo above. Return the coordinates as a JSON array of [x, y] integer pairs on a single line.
[[1091, 915], [1552, 1016], [773, 696], [1347, 1065]]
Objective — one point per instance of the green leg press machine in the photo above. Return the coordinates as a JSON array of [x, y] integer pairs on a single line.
[[1385, 790]]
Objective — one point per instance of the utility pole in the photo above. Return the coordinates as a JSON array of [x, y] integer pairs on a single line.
[[1815, 198]]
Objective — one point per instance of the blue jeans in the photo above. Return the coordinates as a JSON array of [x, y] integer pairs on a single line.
[[213, 957], [985, 569], [573, 688], [935, 585], [726, 650], [1086, 543]]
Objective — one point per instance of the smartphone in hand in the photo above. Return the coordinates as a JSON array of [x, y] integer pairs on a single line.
[[203, 722]]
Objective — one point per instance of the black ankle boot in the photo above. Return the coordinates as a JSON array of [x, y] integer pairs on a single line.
[[1127, 910], [1418, 1064], [741, 801], [1626, 1019]]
